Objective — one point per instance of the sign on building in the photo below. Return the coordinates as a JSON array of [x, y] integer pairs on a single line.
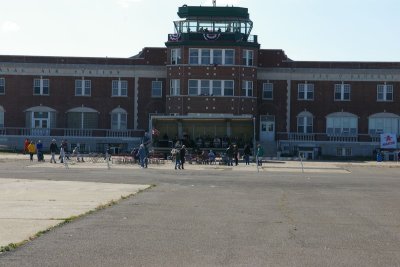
[[388, 140]]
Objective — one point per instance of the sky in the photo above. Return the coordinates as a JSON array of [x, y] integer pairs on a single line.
[[307, 30]]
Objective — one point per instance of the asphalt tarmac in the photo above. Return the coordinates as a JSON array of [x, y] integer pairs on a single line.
[[333, 214]]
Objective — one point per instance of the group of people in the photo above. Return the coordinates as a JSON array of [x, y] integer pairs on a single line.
[[31, 148], [179, 154]]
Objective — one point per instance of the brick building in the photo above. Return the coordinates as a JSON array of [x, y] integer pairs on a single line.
[[210, 85]]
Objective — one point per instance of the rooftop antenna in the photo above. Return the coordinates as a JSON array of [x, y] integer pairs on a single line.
[[214, 3]]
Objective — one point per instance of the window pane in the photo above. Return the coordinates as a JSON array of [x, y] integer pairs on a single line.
[[216, 88], [229, 55], [205, 56], [228, 88], [156, 89], [217, 56], [205, 87], [193, 56], [193, 87]]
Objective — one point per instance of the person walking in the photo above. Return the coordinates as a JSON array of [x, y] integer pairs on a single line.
[[260, 154], [31, 150], [247, 153], [53, 151]]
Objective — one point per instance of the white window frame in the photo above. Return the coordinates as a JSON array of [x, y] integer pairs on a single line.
[[205, 56], [247, 88], [175, 87], [383, 91], [199, 86], [383, 123], [41, 86], [121, 122], [176, 57], [83, 87], [2, 86], [119, 88], [345, 125], [268, 87], [306, 89], [306, 122], [155, 87], [343, 91], [248, 57]]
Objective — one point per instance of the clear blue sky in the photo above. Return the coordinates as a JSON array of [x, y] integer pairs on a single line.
[[339, 30]]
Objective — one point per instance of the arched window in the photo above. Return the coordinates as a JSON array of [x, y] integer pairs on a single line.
[[341, 123], [305, 122], [82, 118], [40, 117], [383, 123], [119, 119]]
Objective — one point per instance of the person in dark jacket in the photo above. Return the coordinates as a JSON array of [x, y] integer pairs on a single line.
[[183, 155], [247, 153], [53, 151]]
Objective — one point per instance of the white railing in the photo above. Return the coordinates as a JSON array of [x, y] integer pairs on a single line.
[[301, 136]]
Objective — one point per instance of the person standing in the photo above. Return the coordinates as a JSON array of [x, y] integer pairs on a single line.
[[260, 154], [178, 159], [53, 151], [26, 144], [39, 151], [247, 153], [229, 154], [31, 150], [236, 154], [183, 155], [142, 155]]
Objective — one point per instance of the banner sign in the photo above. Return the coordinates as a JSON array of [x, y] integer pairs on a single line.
[[388, 140]]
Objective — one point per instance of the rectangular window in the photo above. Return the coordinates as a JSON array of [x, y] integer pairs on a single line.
[[217, 56], [193, 87], [194, 56], [2, 86], [175, 87], [205, 87], [176, 56], [210, 87], [119, 88], [229, 57], [384, 92], [211, 56], [268, 90], [41, 86], [205, 56], [228, 88], [216, 88], [247, 59], [343, 151], [247, 88], [305, 91], [342, 92], [156, 89], [83, 87]]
